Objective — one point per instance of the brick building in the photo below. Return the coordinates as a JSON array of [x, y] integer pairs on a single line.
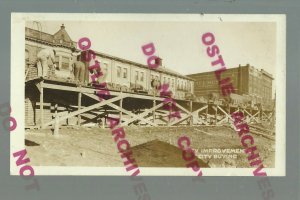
[[246, 80]]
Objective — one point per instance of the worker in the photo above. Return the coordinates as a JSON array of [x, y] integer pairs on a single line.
[[78, 67], [45, 60], [79, 70]]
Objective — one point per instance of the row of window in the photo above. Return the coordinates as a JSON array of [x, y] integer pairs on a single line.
[[123, 72]]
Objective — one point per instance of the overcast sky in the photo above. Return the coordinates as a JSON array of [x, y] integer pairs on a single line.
[[179, 43]]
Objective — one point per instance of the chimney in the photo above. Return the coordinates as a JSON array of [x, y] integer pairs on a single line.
[[158, 61], [62, 26]]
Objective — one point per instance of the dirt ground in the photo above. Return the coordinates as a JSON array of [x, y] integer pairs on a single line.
[[152, 147]]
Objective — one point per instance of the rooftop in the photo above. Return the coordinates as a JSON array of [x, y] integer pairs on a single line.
[[62, 39]]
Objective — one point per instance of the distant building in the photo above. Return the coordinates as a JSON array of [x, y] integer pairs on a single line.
[[246, 80]]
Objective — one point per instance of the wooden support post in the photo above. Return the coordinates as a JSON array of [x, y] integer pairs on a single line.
[[153, 113], [42, 104], [103, 120], [229, 112], [55, 113], [206, 113], [79, 107], [121, 105], [191, 110], [216, 115], [56, 125]]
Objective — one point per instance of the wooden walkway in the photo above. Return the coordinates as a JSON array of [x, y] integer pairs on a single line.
[[150, 112]]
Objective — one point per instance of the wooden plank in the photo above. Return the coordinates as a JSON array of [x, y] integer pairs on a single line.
[[69, 88], [92, 91]]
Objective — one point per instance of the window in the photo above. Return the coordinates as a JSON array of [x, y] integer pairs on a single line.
[[104, 69], [165, 80], [125, 73], [119, 72], [65, 63], [136, 75], [172, 83], [142, 76]]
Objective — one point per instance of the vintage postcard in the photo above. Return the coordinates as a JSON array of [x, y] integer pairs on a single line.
[[148, 94]]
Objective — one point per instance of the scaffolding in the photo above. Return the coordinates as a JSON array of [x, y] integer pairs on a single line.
[[70, 100]]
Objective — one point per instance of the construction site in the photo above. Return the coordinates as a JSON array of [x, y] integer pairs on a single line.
[[66, 124]]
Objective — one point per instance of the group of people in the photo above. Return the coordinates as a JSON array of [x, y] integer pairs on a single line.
[[79, 71]]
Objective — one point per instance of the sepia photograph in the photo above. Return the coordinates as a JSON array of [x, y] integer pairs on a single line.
[[149, 94]]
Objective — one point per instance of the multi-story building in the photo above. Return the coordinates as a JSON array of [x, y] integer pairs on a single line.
[[117, 72], [246, 80]]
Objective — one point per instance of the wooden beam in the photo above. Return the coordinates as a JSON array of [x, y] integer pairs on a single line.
[[56, 125], [38, 85], [86, 109], [183, 109], [119, 108], [199, 110], [69, 88], [42, 105], [55, 112], [79, 107], [154, 104], [134, 116], [253, 116], [216, 114], [92, 91], [229, 117], [191, 110], [142, 115], [180, 120]]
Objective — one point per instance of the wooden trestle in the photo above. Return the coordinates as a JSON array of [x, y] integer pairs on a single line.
[[148, 110]]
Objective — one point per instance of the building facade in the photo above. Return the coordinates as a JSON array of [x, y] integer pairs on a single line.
[[116, 71], [119, 74], [247, 80]]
